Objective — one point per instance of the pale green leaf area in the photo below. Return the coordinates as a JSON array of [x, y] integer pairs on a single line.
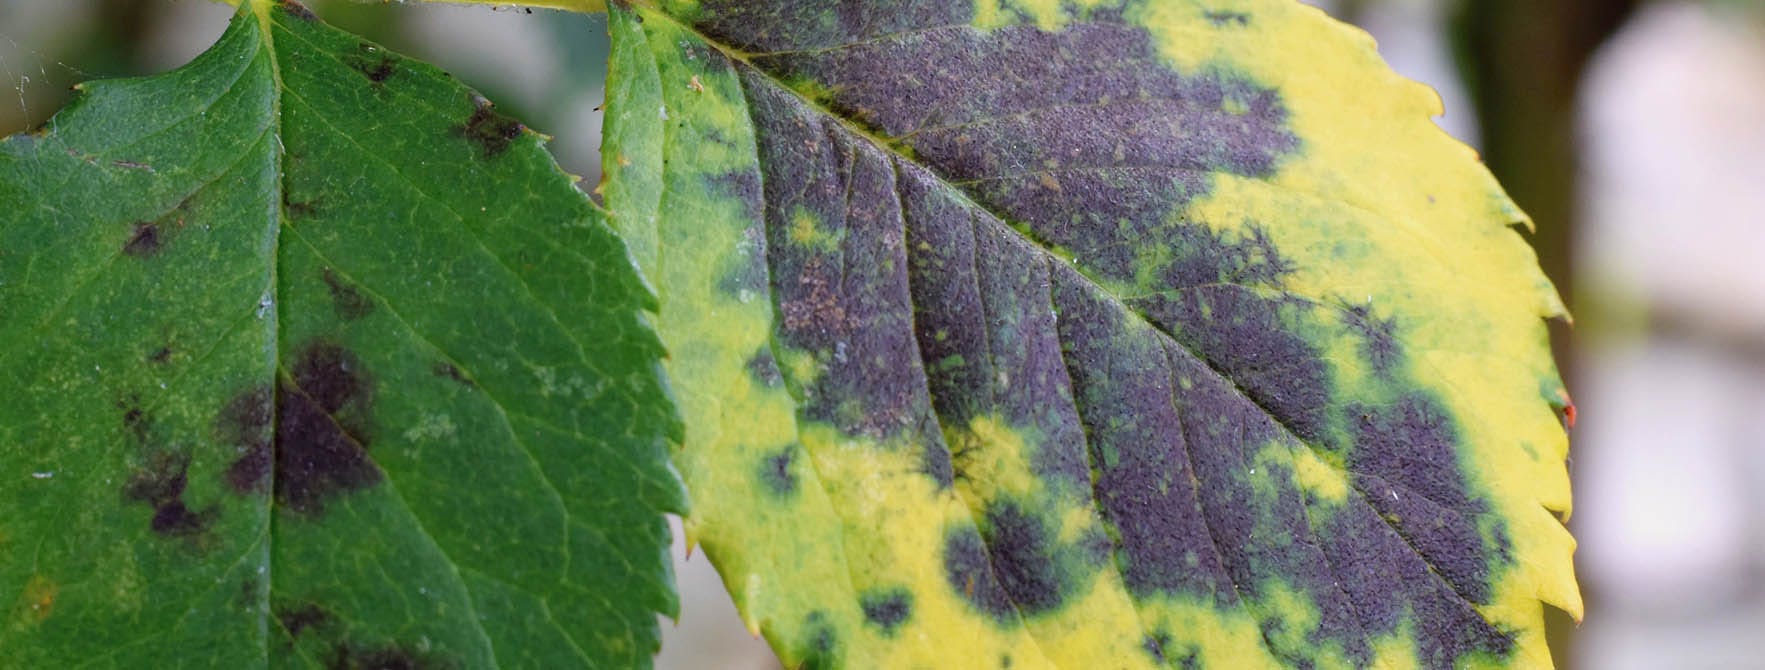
[[316, 360]]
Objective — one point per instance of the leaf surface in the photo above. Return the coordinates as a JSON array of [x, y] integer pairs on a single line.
[[316, 359], [1028, 334]]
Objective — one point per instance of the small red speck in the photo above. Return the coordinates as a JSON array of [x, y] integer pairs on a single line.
[[1568, 408]]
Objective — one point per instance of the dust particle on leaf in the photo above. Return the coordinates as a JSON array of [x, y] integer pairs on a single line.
[[144, 242]]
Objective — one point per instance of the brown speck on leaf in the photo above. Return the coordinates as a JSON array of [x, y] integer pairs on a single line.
[[696, 85]]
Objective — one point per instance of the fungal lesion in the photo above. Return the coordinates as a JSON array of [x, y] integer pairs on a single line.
[[492, 132]]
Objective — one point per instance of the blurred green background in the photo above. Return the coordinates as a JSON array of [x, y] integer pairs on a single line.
[[1632, 130]]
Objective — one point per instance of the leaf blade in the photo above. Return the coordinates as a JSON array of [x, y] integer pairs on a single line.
[[1269, 211], [450, 448]]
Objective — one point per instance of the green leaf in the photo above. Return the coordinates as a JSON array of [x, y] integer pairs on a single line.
[[1035, 333], [316, 359]]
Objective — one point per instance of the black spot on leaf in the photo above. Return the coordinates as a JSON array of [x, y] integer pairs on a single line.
[[245, 423], [775, 472], [887, 608], [160, 484], [823, 640], [346, 299], [161, 355], [298, 618], [348, 656], [317, 445], [373, 62], [144, 242], [1154, 645], [492, 132], [321, 436], [300, 209]]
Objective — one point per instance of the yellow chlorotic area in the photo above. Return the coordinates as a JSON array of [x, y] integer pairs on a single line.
[[1098, 620], [763, 543], [1382, 209]]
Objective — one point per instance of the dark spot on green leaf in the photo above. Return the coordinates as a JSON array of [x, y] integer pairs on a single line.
[[775, 471], [298, 618], [887, 608], [161, 355], [300, 209], [347, 656], [450, 371], [492, 132], [135, 419], [245, 423], [373, 62], [160, 484], [144, 242], [297, 10], [322, 412], [346, 299]]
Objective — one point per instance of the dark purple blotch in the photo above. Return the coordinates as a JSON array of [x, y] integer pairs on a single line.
[[313, 439], [887, 608], [160, 483]]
